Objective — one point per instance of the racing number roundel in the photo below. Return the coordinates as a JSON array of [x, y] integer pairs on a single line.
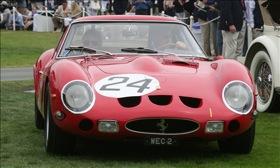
[[126, 85]]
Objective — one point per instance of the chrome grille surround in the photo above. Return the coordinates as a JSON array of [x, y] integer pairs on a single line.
[[162, 126]]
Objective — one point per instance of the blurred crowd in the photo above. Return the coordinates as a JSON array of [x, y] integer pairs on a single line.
[[223, 23], [60, 9]]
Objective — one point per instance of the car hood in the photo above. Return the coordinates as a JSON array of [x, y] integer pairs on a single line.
[[175, 76]]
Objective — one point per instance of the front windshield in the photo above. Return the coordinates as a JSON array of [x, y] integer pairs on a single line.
[[117, 37]]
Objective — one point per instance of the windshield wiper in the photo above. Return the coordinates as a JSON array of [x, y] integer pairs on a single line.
[[196, 57], [139, 50], [86, 49], [80, 48]]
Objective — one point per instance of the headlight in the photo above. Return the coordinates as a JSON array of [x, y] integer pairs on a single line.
[[77, 96], [238, 97]]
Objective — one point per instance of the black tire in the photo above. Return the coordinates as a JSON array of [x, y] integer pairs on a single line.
[[242, 143], [39, 120], [56, 141], [261, 70]]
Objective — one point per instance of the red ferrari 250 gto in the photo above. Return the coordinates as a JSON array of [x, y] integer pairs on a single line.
[[144, 78]]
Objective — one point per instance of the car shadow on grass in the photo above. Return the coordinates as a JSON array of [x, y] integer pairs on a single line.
[[132, 151]]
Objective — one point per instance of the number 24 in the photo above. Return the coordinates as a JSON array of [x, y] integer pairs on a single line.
[[140, 84]]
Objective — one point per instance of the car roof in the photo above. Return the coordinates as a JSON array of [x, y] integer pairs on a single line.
[[126, 17]]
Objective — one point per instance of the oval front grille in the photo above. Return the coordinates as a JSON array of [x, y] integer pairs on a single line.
[[162, 126]]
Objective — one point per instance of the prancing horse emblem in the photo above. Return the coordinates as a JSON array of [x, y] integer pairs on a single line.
[[162, 125]]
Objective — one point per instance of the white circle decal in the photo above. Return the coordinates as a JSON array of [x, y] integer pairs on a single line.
[[126, 85]]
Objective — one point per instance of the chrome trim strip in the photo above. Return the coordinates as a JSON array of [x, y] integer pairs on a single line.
[[166, 134]]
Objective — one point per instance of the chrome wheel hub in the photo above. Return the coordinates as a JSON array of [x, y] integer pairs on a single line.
[[263, 80]]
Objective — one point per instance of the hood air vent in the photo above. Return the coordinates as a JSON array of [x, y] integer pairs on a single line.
[[129, 101], [191, 102], [161, 99]]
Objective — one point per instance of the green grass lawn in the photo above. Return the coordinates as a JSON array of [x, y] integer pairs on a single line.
[[22, 144], [22, 48]]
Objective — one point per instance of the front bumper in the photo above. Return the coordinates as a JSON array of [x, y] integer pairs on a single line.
[[87, 124]]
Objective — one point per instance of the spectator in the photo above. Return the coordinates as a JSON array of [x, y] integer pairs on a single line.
[[154, 7], [189, 6], [120, 6], [169, 7], [219, 37], [37, 4], [213, 25], [160, 5], [50, 4], [76, 10], [231, 23], [179, 9], [5, 14], [200, 14], [57, 3], [258, 21], [207, 11], [21, 4], [241, 47], [61, 12], [94, 7], [253, 17], [141, 7], [19, 25], [27, 19]]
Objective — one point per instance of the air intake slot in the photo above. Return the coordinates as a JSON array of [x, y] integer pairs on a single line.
[[233, 126], [129, 101], [191, 102], [161, 99], [162, 126], [86, 125], [180, 63]]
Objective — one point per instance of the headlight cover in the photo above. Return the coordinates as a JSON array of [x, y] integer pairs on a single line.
[[238, 97], [77, 96]]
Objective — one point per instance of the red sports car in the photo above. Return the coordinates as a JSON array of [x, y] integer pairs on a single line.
[[140, 78]]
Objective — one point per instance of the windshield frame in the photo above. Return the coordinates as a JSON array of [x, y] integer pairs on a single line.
[[58, 56]]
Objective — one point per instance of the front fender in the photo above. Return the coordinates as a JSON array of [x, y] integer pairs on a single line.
[[39, 75], [40, 64], [233, 70], [271, 44], [62, 72]]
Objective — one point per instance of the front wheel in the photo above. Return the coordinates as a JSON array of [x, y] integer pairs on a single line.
[[242, 143], [56, 141], [261, 69]]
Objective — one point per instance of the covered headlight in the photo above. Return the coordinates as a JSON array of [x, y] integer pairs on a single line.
[[77, 96], [238, 97]]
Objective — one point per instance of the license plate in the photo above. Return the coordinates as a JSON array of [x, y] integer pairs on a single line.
[[161, 141]]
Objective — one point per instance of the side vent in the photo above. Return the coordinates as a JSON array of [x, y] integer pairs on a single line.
[[161, 99], [191, 102], [129, 101]]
